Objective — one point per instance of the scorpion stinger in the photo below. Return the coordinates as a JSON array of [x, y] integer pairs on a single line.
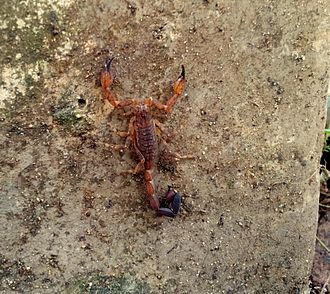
[[142, 135], [173, 198]]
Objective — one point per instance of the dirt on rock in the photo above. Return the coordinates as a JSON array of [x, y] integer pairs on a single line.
[[252, 115]]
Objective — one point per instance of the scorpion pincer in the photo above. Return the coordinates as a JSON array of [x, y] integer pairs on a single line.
[[142, 135]]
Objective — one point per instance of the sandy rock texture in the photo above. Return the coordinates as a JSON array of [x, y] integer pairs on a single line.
[[252, 115]]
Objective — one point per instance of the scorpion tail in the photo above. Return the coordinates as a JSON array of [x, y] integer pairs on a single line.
[[173, 199], [154, 202]]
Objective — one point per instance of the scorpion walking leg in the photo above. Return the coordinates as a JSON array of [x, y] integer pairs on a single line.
[[138, 168], [162, 132], [177, 156], [128, 135]]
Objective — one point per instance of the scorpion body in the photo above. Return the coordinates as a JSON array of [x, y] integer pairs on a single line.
[[143, 136], [146, 147]]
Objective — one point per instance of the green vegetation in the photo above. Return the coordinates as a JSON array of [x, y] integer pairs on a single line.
[[326, 147], [67, 116], [102, 284]]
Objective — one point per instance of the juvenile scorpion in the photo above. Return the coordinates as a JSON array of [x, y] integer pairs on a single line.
[[142, 135]]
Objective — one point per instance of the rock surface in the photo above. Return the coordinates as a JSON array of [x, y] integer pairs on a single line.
[[252, 115]]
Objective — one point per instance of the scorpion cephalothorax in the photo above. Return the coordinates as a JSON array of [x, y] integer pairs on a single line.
[[142, 135]]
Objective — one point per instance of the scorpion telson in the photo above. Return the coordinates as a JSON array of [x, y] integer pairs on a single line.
[[173, 198], [141, 134]]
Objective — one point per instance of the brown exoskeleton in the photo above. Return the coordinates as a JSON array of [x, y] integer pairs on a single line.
[[142, 135]]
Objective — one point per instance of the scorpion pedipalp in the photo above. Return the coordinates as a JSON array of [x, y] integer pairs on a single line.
[[108, 63], [183, 72]]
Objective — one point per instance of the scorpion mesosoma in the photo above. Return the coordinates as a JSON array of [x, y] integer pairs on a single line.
[[142, 135]]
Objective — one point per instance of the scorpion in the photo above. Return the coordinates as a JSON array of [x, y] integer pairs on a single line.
[[142, 134]]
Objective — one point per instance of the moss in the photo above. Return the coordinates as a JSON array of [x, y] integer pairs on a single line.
[[67, 117], [231, 184], [27, 39], [100, 284]]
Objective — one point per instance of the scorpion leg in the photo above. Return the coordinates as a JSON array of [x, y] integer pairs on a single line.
[[163, 133], [122, 134], [139, 167], [173, 198], [177, 156], [128, 135]]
